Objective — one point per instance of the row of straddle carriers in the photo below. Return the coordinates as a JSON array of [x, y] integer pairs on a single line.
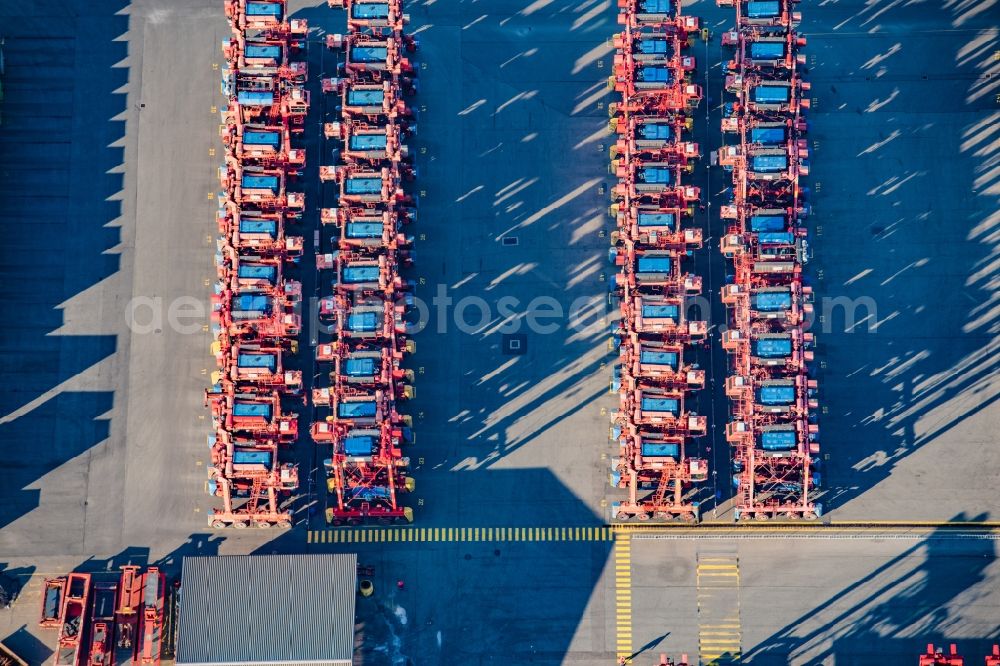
[[365, 300], [107, 622], [936, 656], [653, 206], [772, 428], [255, 306]]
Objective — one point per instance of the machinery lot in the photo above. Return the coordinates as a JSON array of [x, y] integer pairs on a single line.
[[107, 151]]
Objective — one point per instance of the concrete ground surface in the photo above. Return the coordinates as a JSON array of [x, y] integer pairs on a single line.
[[106, 157], [789, 600], [906, 199], [108, 151]]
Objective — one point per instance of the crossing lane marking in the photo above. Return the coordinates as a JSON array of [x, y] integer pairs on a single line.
[[458, 534]]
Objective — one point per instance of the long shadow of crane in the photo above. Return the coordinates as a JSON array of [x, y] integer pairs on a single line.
[[924, 362], [60, 154], [923, 595]]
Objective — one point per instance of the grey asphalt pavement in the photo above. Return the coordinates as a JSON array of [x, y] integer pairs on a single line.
[[906, 198]]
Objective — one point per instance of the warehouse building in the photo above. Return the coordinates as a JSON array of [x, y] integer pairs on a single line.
[[267, 610]]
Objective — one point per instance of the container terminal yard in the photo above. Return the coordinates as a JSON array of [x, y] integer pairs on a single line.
[[502, 331]]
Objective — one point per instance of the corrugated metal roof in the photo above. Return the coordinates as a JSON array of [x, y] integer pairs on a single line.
[[267, 610]]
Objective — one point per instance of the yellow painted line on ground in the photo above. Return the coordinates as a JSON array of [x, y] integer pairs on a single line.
[[623, 592], [453, 534], [831, 527], [609, 532], [717, 583]]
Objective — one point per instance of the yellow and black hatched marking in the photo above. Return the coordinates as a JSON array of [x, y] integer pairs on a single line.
[[719, 633], [623, 596], [457, 534]]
